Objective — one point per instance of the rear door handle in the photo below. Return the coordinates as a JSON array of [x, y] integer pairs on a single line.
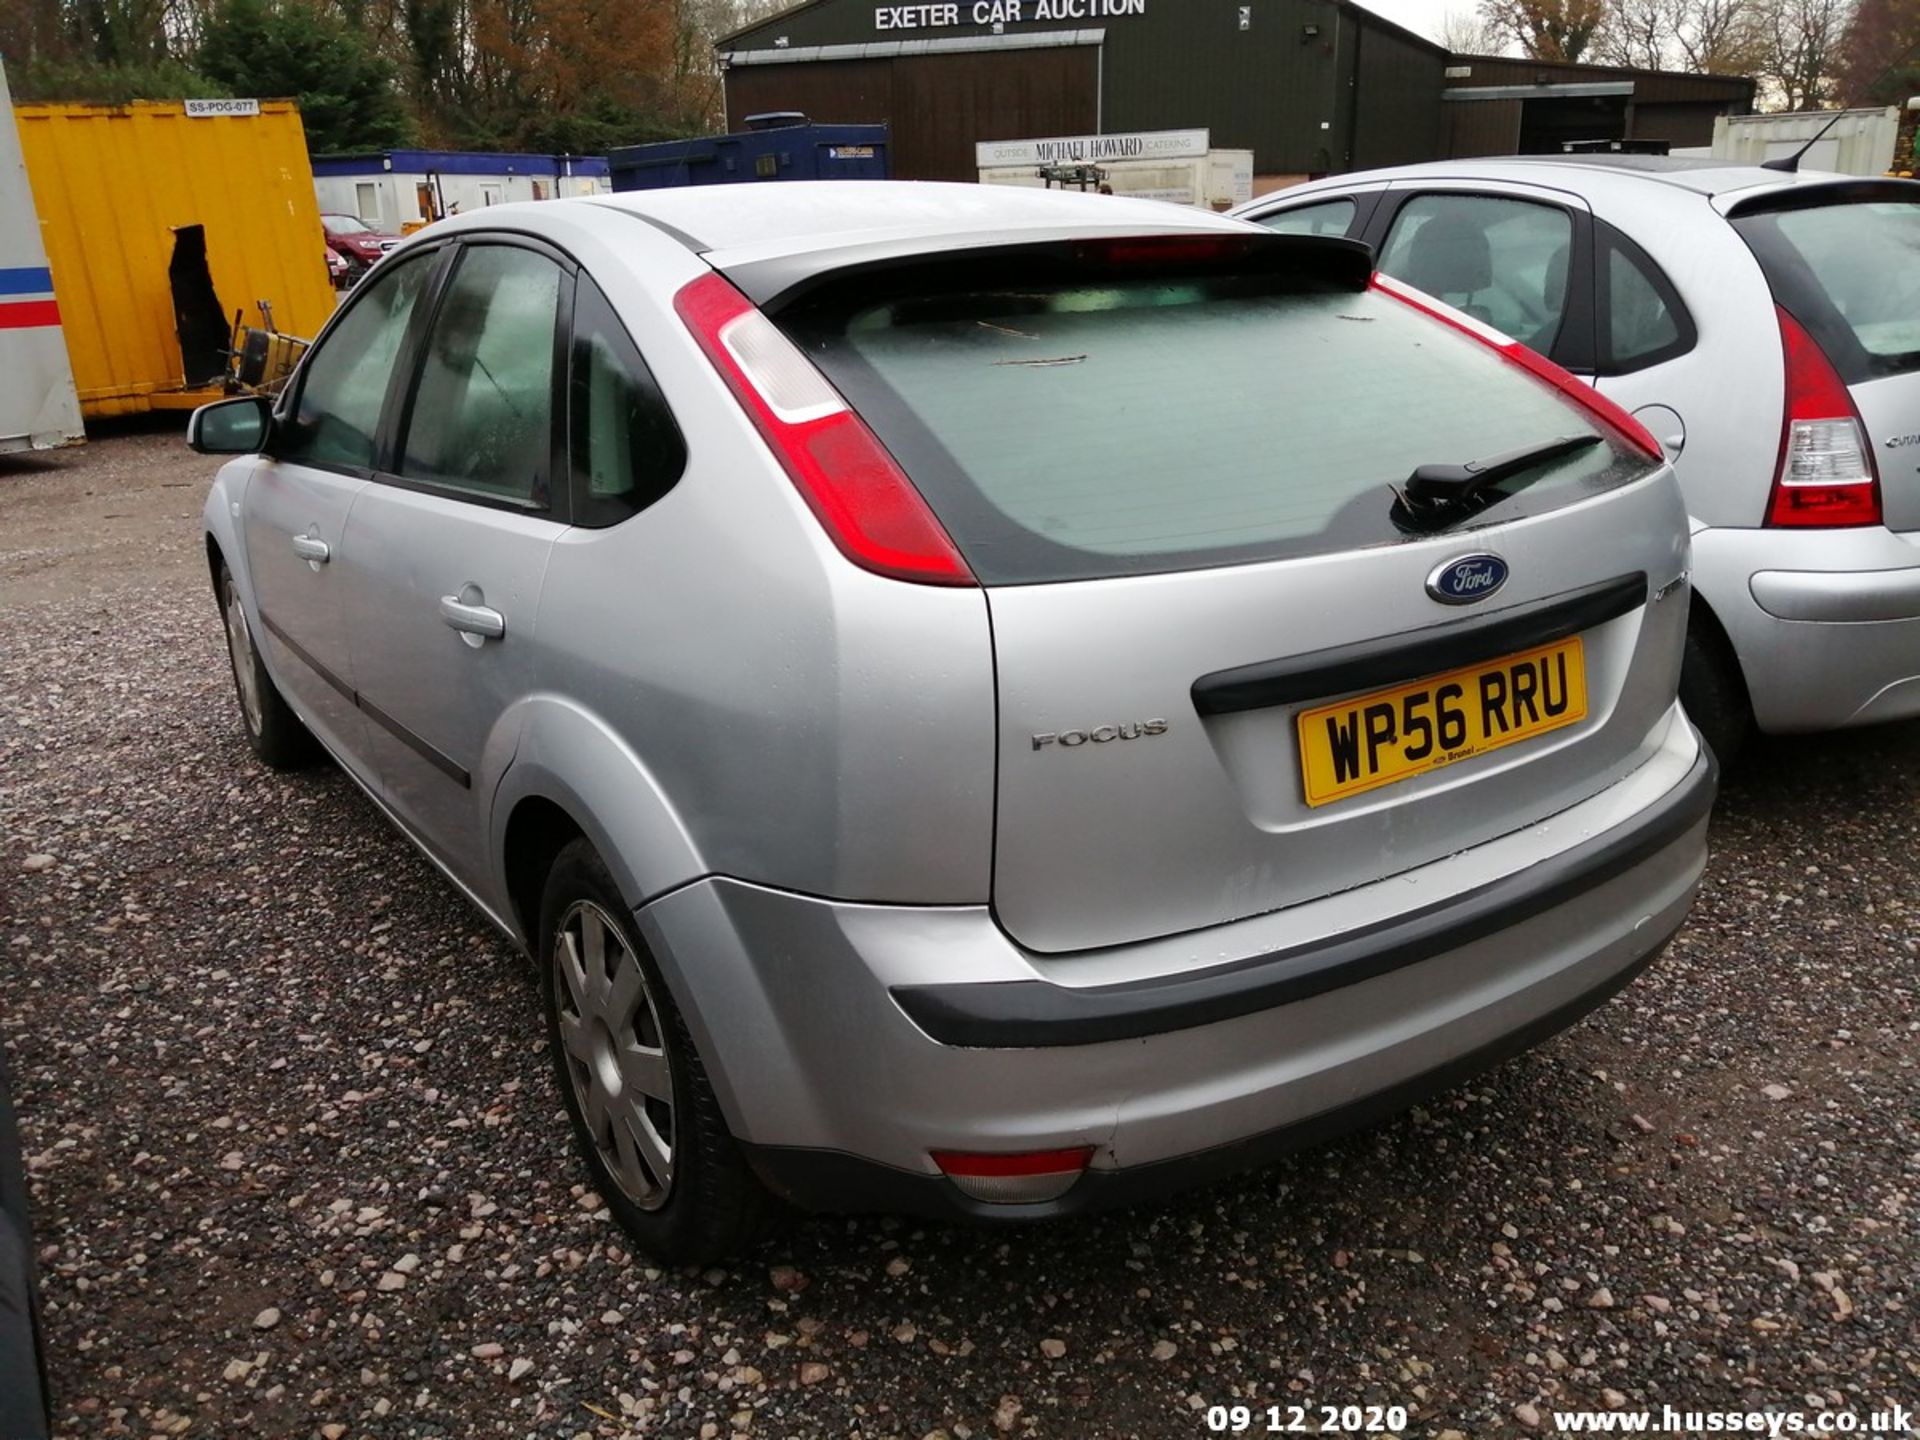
[[311, 547], [481, 620]]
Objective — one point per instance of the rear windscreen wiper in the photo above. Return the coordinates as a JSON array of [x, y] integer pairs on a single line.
[[1435, 496]]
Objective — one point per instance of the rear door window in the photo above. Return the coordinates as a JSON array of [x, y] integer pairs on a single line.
[[1502, 261], [482, 417], [1849, 272], [1065, 430]]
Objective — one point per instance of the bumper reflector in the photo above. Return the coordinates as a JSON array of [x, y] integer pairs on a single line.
[[1022, 1179]]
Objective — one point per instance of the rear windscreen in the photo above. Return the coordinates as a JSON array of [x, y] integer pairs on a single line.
[[1065, 431], [1850, 273]]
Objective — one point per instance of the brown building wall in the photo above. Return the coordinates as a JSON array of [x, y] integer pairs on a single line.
[[937, 105], [1310, 86], [1395, 100], [1474, 128], [1653, 87], [1681, 125], [1289, 80]]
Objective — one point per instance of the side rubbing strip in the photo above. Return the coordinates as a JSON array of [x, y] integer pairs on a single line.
[[440, 761], [1448, 646], [306, 659], [436, 758]]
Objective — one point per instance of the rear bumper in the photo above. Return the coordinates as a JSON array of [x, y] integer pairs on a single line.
[[1826, 624], [1022, 1014], [835, 1180], [815, 1019]]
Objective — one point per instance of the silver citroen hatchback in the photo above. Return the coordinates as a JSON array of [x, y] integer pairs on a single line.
[[981, 703], [1766, 325]]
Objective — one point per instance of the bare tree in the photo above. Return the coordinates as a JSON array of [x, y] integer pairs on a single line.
[[1640, 34], [1547, 29], [1469, 32], [694, 76], [1800, 49], [1698, 36], [1721, 37]]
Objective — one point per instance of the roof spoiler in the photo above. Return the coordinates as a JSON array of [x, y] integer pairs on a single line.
[[781, 283], [1839, 191]]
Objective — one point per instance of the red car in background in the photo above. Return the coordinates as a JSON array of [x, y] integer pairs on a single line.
[[356, 242]]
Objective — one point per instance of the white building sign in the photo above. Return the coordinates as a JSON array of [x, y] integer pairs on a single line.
[[999, 12], [1093, 149], [207, 109]]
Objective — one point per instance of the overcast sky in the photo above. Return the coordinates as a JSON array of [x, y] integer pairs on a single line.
[[1425, 16]]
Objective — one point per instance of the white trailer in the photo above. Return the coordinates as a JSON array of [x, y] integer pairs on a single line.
[[1178, 166], [398, 190], [38, 405], [1861, 142]]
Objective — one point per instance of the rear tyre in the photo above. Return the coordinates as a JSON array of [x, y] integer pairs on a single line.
[[273, 730], [643, 1112], [1713, 692]]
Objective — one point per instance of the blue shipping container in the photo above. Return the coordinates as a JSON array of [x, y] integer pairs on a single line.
[[786, 152]]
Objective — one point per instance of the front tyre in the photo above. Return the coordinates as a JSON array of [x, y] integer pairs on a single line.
[[273, 730], [643, 1113]]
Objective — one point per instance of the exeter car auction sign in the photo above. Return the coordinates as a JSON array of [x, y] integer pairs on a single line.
[[999, 12], [1093, 149]]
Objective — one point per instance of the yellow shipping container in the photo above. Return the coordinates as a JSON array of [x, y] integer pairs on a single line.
[[112, 182]]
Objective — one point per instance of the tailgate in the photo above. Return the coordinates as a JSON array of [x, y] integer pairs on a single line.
[[1206, 818], [1238, 666]]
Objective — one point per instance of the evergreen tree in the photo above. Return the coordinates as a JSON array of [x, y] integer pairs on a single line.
[[272, 48]]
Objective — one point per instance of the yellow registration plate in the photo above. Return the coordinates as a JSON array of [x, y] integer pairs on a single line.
[[1374, 740]]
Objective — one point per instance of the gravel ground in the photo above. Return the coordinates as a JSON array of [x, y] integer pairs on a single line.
[[300, 1168]]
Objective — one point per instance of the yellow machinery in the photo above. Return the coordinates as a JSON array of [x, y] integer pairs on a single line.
[[115, 183]]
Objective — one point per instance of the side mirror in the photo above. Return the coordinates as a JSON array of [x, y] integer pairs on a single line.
[[230, 427]]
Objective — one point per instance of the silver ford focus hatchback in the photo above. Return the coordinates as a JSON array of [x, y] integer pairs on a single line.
[[981, 703]]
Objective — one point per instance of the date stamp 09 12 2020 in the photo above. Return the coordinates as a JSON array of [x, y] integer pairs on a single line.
[[1307, 1419]]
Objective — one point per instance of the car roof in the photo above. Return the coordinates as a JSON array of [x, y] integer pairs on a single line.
[[1702, 175], [729, 222]]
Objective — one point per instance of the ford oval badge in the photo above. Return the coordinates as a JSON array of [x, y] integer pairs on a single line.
[[1467, 578]]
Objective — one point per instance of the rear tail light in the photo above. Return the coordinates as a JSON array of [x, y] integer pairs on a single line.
[[867, 505], [1606, 416], [1026, 1178], [1826, 475]]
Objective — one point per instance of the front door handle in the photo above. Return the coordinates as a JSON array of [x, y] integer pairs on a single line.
[[481, 620], [311, 548]]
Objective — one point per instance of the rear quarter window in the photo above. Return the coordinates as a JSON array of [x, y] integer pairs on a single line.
[[1065, 431], [1329, 217], [1643, 320]]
